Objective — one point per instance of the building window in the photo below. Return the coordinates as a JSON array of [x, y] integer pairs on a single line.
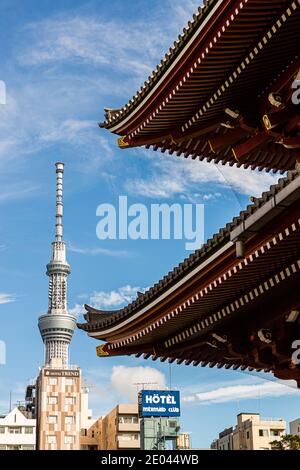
[[83, 432], [70, 400], [125, 437], [129, 437], [2, 429], [15, 430], [51, 439], [69, 381], [27, 447], [52, 400], [28, 430], [69, 439], [274, 432], [51, 419], [52, 381], [69, 419], [263, 433], [128, 419], [248, 435]]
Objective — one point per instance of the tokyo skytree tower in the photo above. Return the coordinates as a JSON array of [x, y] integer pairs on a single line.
[[57, 326]]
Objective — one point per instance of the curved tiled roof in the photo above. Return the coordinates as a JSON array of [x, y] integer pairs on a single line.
[[189, 263], [114, 116]]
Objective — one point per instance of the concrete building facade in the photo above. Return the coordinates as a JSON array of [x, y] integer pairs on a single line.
[[295, 427], [225, 441], [17, 432], [120, 429], [58, 408], [184, 441], [251, 433]]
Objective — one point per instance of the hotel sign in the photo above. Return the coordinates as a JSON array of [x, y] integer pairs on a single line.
[[61, 373], [159, 403]]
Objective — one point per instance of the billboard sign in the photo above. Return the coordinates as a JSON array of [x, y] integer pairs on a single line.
[[160, 403], [61, 373]]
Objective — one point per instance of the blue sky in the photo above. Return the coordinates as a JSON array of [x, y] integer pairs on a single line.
[[63, 62]]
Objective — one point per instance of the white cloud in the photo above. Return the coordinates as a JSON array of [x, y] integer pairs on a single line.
[[211, 196], [127, 381], [6, 298], [171, 177], [68, 63], [14, 191], [90, 40], [114, 298], [77, 310], [182, 11], [242, 392], [107, 299], [112, 385], [96, 251], [161, 188]]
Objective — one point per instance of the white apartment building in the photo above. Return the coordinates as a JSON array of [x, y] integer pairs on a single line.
[[251, 433], [17, 432]]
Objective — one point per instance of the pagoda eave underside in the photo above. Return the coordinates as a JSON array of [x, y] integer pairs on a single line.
[[234, 65]]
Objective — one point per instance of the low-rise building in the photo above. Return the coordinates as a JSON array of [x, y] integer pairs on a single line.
[[184, 441], [295, 427], [225, 441], [17, 432], [120, 429], [251, 433]]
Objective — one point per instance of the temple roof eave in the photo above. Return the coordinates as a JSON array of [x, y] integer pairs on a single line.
[[100, 323]]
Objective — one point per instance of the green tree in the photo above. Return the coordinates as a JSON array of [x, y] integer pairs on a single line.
[[287, 442]]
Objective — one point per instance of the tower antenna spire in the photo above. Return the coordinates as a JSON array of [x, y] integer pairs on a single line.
[[59, 200]]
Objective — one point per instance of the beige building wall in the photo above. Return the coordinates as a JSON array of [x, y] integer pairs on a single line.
[[120, 429], [89, 437], [183, 441], [251, 433], [225, 441], [295, 427], [255, 433], [58, 408]]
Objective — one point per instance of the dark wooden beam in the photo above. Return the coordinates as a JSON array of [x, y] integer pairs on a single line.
[[242, 151], [227, 140]]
